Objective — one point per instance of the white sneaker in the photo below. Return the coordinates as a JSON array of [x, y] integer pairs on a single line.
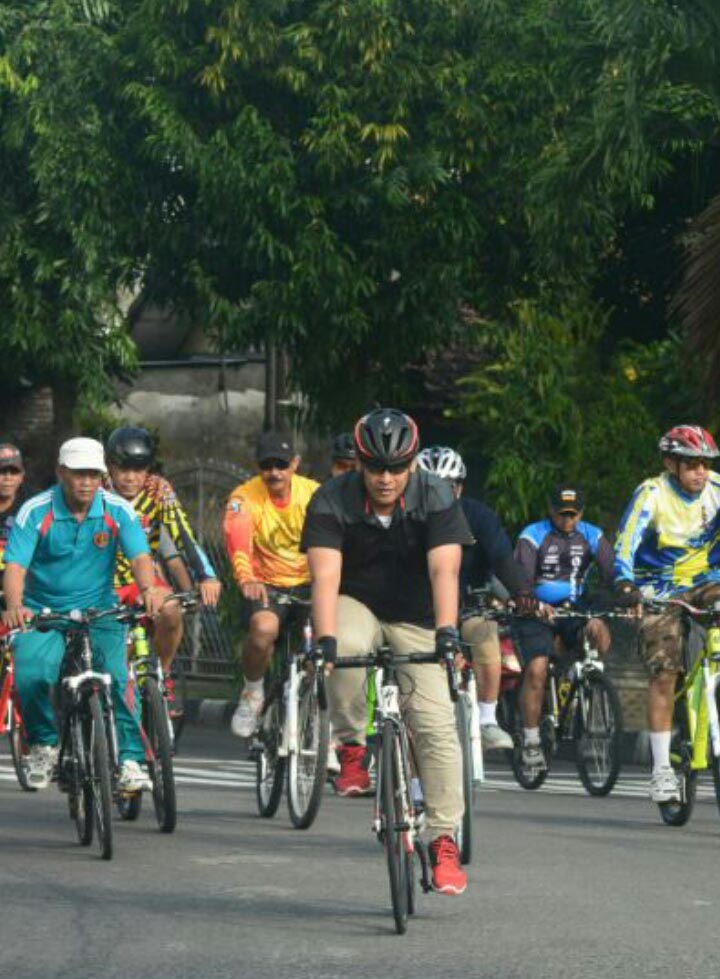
[[494, 738], [533, 757], [132, 777], [40, 765], [664, 786], [246, 718]]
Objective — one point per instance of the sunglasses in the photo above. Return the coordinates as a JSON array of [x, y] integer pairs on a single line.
[[267, 464], [377, 468], [9, 471]]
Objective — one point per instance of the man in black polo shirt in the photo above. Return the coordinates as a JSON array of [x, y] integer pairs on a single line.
[[12, 494], [384, 546]]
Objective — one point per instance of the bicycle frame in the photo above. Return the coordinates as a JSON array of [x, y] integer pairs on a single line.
[[699, 689], [289, 741]]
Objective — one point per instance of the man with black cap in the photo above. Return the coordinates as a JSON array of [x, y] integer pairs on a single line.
[[344, 456], [263, 524], [12, 494], [556, 554]]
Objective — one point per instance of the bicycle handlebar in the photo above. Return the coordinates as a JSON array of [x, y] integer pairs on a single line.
[[379, 656]]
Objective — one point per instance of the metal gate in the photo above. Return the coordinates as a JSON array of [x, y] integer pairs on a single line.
[[209, 646]]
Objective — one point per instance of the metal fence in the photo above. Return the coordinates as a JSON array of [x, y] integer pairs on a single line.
[[209, 647]]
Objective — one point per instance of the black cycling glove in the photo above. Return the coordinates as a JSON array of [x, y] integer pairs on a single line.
[[447, 640], [627, 594], [525, 603], [327, 647]]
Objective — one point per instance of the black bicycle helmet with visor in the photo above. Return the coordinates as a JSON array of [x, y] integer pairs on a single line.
[[386, 438], [131, 447]]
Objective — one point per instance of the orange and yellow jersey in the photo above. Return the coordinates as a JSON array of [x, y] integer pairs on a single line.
[[157, 506], [263, 538]]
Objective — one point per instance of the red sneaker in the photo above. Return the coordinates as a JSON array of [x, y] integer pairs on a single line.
[[448, 876], [353, 778]]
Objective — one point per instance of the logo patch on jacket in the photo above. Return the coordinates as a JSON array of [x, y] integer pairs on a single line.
[[101, 539]]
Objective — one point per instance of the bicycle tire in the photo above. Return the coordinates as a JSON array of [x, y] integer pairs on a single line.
[[391, 807], [160, 765], [463, 720], [99, 783], [269, 766], [597, 745], [678, 813], [307, 767], [19, 750]]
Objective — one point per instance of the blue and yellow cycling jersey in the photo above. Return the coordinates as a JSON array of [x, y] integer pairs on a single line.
[[669, 540]]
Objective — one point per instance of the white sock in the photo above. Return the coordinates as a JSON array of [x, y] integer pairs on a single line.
[[532, 735], [487, 710], [660, 748], [416, 790], [253, 686]]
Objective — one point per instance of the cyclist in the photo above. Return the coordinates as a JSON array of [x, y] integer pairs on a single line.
[[557, 554], [384, 546], [61, 555], [12, 494], [668, 545], [491, 554], [263, 524], [131, 457], [344, 456]]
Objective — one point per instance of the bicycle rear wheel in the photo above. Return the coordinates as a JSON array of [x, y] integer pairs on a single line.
[[98, 788], [307, 767], [463, 720], [597, 731], [19, 749], [160, 765], [394, 811], [678, 813], [269, 766]]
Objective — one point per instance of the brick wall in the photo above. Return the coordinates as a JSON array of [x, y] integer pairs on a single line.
[[28, 419]]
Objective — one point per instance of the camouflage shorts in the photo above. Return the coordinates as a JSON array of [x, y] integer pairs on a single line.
[[662, 637]]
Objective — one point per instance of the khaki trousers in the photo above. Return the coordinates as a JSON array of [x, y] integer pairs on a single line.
[[425, 701], [483, 639]]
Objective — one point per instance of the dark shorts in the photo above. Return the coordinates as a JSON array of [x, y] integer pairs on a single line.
[[281, 611], [535, 638]]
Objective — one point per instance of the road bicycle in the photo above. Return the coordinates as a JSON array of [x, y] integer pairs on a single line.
[[11, 722], [396, 821], [147, 681], [467, 719], [695, 744], [291, 744], [581, 705]]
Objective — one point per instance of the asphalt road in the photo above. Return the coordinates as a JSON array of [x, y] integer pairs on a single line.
[[562, 886]]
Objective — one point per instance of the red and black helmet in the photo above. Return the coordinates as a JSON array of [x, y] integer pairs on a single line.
[[690, 441], [386, 436]]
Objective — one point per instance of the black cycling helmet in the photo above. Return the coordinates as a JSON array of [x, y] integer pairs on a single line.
[[130, 447], [343, 447], [386, 436]]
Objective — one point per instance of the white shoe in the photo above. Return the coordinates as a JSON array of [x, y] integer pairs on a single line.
[[41, 764], [664, 785], [533, 757], [132, 777], [494, 738], [246, 718]]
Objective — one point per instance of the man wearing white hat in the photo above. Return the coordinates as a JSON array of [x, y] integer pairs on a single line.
[[61, 555]]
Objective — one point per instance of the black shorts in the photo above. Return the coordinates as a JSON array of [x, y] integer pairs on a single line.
[[536, 638], [281, 611]]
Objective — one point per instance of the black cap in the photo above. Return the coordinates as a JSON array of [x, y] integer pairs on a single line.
[[10, 455], [343, 447], [274, 445], [567, 498]]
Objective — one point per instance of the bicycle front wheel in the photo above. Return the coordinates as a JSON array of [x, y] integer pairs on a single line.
[[394, 812], [269, 766], [19, 749], [160, 764], [677, 813], [597, 730], [463, 720], [307, 766], [98, 787]]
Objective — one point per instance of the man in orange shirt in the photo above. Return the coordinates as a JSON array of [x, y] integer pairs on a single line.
[[263, 525]]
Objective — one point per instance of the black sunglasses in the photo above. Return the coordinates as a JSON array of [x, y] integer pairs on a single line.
[[9, 471], [267, 464], [383, 467]]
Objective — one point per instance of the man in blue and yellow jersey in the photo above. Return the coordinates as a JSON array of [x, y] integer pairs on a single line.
[[669, 545], [263, 526]]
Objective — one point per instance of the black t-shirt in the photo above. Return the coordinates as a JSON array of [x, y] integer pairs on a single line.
[[386, 568], [492, 552], [7, 519]]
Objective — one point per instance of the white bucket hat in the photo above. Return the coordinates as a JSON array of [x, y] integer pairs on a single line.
[[81, 453]]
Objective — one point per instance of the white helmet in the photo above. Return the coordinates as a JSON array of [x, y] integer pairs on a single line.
[[443, 461]]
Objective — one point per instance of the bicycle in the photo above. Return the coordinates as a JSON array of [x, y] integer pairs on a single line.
[[291, 745], [695, 718], [146, 679], [11, 722], [580, 705], [396, 822], [467, 719]]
